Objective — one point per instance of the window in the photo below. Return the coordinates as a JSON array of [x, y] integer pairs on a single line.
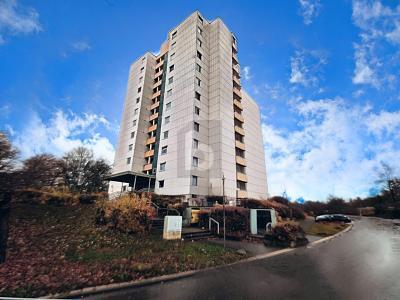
[[139, 89], [195, 161], [174, 34], [240, 169], [132, 134], [196, 126], [134, 123], [198, 68], [167, 119], [170, 80], [137, 100], [165, 134], [198, 81], [199, 30], [173, 45], [172, 56], [168, 106], [140, 79], [161, 183], [136, 111], [197, 110], [169, 93], [130, 147], [241, 185], [199, 55], [199, 42], [197, 95], [164, 150], [128, 160], [195, 144], [162, 167], [141, 70], [171, 68], [194, 180], [239, 152]]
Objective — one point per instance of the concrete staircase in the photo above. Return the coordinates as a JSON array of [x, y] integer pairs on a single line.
[[157, 225], [196, 235]]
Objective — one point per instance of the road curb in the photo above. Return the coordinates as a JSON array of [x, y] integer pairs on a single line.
[[328, 238], [139, 283]]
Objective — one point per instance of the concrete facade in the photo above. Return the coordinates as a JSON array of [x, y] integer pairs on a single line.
[[194, 122]]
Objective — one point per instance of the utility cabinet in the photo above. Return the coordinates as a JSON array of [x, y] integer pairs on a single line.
[[259, 218]]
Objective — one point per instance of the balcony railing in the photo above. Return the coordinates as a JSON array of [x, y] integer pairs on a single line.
[[239, 117], [240, 145], [239, 130], [149, 153], [155, 95], [151, 140], [147, 167], [240, 160], [155, 105], [152, 128], [153, 116], [238, 104], [237, 92], [241, 176]]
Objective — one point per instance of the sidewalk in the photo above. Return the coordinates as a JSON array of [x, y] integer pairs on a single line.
[[252, 248]]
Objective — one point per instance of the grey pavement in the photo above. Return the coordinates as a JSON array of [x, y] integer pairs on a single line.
[[363, 263]]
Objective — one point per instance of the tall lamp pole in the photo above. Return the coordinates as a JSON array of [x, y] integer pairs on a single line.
[[223, 205]]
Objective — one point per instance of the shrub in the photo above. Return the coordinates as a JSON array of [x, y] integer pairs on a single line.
[[281, 209], [286, 234], [56, 197], [237, 222], [129, 214]]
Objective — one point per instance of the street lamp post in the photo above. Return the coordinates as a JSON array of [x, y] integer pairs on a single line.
[[223, 205]]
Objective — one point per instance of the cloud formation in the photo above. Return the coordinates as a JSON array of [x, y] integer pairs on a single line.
[[306, 67], [335, 149], [376, 51], [16, 19], [246, 73], [309, 9], [63, 132]]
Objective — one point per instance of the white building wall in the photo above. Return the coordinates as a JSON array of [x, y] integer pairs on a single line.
[[256, 172]]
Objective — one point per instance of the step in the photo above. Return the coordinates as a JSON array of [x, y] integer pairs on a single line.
[[197, 235]]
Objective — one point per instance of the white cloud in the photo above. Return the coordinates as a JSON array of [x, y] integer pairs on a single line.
[[379, 25], [63, 132], [309, 9], [335, 150], [81, 46], [306, 67], [246, 73], [16, 19]]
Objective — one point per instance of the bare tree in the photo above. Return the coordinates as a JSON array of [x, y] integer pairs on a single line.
[[82, 173], [8, 156], [43, 170], [388, 181]]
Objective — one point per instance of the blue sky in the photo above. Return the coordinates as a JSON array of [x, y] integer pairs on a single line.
[[325, 74]]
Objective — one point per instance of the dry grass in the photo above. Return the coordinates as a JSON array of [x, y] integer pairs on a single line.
[[326, 229]]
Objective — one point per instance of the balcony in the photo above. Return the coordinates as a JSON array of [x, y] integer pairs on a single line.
[[241, 176], [158, 83], [159, 64], [240, 160], [152, 128], [147, 167], [241, 194], [239, 117], [239, 130], [240, 145], [234, 46], [235, 58], [236, 68], [149, 153], [237, 92], [155, 95], [151, 140], [153, 116], [236, 80], [158, 74], [238, 104], [155, 105]]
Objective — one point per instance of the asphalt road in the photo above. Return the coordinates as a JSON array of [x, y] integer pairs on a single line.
[[363, 263]]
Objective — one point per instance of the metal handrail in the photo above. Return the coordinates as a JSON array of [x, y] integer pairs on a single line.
[[268, 227], [215, 221], [163, 208]]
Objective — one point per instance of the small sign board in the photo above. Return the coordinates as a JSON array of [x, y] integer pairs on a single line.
[[172, 228]]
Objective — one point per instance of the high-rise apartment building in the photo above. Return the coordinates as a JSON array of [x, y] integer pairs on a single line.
[[187, 122]]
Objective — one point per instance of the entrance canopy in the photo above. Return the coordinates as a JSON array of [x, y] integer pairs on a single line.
[[138, 181]]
